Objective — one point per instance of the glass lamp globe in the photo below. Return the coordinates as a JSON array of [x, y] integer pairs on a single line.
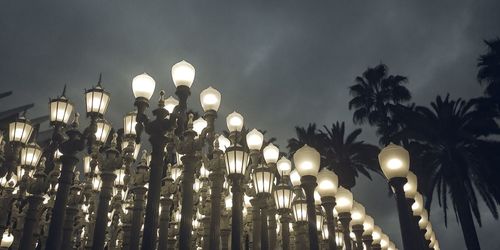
[[357, 214], [319, 219], [410, 186], [344, 200], [324, 232], [376, 235], [224, 143], [96, 100], [295, 178], [307, 160], [283, 197], [271, 153], [143, 86], [234, 122], [328, 183], [204, 173], [236, 160], [129, 122], [384, 241], [7, 240], [210, 99], [86, 164], [102, 132], [170, 104], [428, 231], [317, 197], [228, 201], [339, 239], [60, 110], [30, 155], [394, 161], [263, 180], [424, 219], [392, 246], [183, 74], [120, 177], [20, 130], [254, 139], [96, 183], [299, 207], [368, 224], [175, 172], [284, 166], [199, 124], [418, 205]]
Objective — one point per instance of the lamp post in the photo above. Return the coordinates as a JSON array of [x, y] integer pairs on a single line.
[[357, 220], [368, 225], [216, 166], [299, 207], [394, 161], [327, 188], [344, 206], [263, 180], [307, 162], [376, 236], [283, 197], [254, 140]]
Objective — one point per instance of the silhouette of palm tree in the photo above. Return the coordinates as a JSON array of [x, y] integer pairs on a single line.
[[309, 136], [347, 156], [374, 95], [453, 157], [489, 70]]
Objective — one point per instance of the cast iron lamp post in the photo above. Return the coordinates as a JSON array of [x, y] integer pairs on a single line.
[[283, 197], [368, 225], [394, 161], [307, 162], [327, 188], [344, 203], [299, 207], [254, 140], [357, 220], [263, 180]]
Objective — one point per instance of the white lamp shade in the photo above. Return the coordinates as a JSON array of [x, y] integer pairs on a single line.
[[120, 177], [418, 205], [254, 139], [307, 160], [210, 99], [96, 100], [284, 166], [236, 160], [328, 183], [102, 132], [319, 221], [20, 130], [183, 74], [7, 240], [143, 86], [263, 180], [424, 219], [376, 235], [394, 161], [86, 164], [199, 124], [368, 224], [357, 214], [170, 104], [299, 207], [384, 241], [224, 143], [410, 186], [324, 232], [204, 173], [60, 110], [234, 122], [96, 183], [343, 200], [428, 231], [129, 122], [271, 153], [30, 155], [295, 178], [283, 196]]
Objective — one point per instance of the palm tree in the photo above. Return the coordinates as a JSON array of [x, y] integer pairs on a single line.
[[309, 136], [374, 95], [346, 156], [455, 158], [489, 69]]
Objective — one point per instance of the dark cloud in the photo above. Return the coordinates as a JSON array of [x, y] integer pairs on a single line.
[[279, 64]]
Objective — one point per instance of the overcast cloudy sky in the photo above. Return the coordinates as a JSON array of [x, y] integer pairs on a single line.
[[278, 63]]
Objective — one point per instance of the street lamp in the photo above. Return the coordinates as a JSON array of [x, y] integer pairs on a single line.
[[263, 181], [328, 183], [344, 205], [283, 197], [357, 220], [395, 163], [368, 225], [307, 162], [376, 236], [143, 86]]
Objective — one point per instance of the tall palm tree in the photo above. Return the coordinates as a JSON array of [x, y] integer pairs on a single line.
[[347, 156], [306, 135], [374, 95], [455, 158], [489, 69]]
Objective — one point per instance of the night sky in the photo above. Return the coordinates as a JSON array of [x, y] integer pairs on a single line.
[[280, 64]]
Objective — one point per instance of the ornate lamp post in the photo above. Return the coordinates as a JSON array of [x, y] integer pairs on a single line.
[[307, 162], [368, 225], [357, 220], [254, 140], [394, 161], [327, 188], [376, 236], [344, 206], [283, 197], [299, 207], [263, 180]]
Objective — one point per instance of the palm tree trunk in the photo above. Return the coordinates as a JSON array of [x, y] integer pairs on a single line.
[[467, 223]]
